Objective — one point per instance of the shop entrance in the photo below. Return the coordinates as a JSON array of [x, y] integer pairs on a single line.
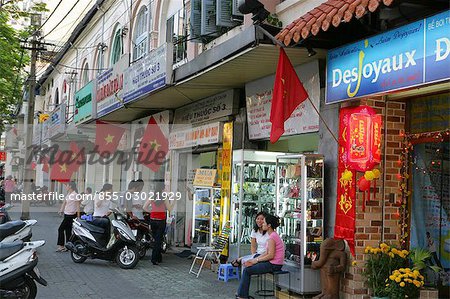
[[187, 163]]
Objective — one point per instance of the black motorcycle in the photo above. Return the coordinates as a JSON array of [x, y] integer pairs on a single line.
[[144, 236], [104, 238]]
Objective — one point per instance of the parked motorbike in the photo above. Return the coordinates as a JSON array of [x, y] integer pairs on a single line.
[[18, 270], [106, 239], [16, 230], [4, 216], [144, 236]]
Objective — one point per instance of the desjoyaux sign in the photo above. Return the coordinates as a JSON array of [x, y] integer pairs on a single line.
[[414, 54]]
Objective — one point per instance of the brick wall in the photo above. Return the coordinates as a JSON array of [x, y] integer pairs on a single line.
[[369, 224]]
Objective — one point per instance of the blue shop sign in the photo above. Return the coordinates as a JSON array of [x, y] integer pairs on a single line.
[[411, 55]]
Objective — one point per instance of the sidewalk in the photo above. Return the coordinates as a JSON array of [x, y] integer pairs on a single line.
[[103, 279]]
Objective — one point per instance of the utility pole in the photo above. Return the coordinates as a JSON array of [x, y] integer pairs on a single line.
[[29, 173]]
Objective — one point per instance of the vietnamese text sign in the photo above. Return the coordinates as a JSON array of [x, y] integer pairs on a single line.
[[150, 74], [83, 103], [206, 134], [205, 177], [213, 107], [304, 119], [57, 124], [109, 87], [411, 55]]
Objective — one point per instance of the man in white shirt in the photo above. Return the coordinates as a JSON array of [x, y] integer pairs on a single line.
[[102, 201]]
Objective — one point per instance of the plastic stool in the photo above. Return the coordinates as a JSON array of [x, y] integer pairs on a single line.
[[227, 272]]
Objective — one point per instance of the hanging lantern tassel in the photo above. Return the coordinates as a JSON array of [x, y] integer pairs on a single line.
[[376, 174], [364, 185]]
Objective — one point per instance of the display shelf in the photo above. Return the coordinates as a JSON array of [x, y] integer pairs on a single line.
[[299, 185], [206, 220]]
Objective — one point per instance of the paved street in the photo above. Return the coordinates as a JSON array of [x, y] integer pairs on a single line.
[[103, 279]]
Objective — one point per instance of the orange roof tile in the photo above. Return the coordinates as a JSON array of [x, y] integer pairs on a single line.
[[332, 12]]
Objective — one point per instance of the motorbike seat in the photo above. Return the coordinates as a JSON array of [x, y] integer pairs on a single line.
[[10, 228], [8, 249], [93, 228]]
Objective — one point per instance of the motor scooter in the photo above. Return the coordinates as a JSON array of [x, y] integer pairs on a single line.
[[144, 236], [18, 269], [16, 230], [104, 238]]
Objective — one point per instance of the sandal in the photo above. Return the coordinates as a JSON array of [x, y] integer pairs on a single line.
[[235, 263], [61, 249]]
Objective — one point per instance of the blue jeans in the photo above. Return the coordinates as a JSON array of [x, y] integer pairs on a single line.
[[259, 268]]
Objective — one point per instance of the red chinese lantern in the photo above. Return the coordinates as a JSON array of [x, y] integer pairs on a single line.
[[362, 137], [364, 185]]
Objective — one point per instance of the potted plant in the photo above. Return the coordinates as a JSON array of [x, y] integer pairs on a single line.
[[404, 283], [380, 263]]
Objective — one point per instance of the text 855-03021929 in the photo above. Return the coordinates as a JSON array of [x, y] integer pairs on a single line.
[[140, 196]]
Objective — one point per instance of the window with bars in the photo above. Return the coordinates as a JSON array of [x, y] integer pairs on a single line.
[[117, 46], [176, 33], [140, 40], [100, 60], [85, 75]]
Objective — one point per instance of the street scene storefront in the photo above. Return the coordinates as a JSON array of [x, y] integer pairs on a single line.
[[200, 128]]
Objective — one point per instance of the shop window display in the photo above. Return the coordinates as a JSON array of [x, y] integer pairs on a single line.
[[206, 220], [253, 191], [299, 186]]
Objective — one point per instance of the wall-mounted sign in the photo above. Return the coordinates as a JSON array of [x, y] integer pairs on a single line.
[[2, 156], [304, 119], [43, 117], [109, 87], [84, 106], [151, 73], [202, 135], [57, 125], [410, 55], [214, 107], [205, 177]]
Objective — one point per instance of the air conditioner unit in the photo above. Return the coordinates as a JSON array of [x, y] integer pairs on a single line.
[[225, 16], [208, 19], [235, 9], [196, 21]]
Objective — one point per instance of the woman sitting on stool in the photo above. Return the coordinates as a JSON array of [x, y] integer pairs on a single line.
[[268, 262], [259, 239]]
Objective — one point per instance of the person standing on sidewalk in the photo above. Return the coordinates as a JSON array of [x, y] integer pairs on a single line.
[[158, 218], [71, 209], [9, 186]]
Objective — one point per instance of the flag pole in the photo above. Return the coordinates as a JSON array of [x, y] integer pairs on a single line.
[[277, 42], [323, 120]]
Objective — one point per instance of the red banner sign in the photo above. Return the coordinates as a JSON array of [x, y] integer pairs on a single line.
[[2, 156]]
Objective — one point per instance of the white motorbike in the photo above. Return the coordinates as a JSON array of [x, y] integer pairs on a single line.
[[16, 230], [106, 239], [18, 271]]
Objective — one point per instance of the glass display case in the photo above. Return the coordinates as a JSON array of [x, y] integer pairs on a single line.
[[299, 186], [206, 216], [253, 190]]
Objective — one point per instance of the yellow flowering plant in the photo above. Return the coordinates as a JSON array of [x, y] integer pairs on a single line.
[[404, 283], [381, 261]]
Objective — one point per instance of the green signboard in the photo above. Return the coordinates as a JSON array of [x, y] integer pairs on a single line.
[[84, 99]]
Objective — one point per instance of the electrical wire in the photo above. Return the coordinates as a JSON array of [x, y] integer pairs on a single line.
[[37, 30], [70, 10]]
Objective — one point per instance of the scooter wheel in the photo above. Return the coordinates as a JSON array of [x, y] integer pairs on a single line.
[[127, 257], [75, 257], [142, 252], [29, 288]]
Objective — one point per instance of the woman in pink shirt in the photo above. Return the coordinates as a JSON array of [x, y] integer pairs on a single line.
[[269, 262]]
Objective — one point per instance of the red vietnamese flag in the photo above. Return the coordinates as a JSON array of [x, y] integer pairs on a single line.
[[62, 168], [288, 93], [154, 146], [77, 157], [107, 138]]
